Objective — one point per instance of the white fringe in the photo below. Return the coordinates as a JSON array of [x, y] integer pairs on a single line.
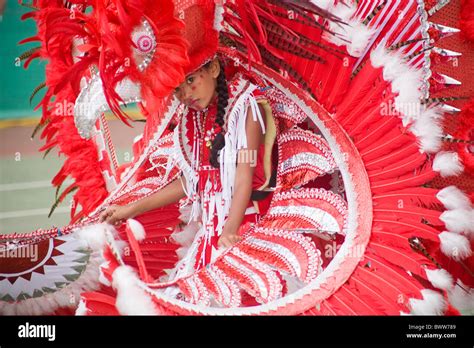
[[131, 299], [236, 139], [440, 278], [433, 303], [447, 163], [455, 245], [190, 175]]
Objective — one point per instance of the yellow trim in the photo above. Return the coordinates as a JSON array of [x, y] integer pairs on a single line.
[[22, 122], [33, 121]]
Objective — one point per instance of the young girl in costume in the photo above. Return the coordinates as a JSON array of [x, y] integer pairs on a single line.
[[205, 95]]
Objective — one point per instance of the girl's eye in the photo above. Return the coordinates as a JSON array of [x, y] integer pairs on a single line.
[[190, 80]]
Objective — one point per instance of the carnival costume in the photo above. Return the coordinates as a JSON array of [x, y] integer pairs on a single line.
[[352, 211]]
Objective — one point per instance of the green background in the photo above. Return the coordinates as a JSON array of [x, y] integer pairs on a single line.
[[16, 82]]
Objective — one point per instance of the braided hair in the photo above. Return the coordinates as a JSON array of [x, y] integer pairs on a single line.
[[222, 101]]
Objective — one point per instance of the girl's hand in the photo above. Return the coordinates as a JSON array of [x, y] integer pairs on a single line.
[[228, 238], [116, 214]]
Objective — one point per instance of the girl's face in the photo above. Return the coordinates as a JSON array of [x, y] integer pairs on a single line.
[[199, 88]]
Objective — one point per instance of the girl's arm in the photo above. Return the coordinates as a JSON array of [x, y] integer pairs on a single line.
[[243, 181], [171, 193]]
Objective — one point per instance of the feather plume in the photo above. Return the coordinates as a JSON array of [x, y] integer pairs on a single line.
[[454, 198], [447, 164], [455, 246]]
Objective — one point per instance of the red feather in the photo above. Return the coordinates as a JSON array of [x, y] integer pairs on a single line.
[[407, 228], [407, 165], [404, 181], [392, 157], [393, 140], [418, 196], [368, 134]]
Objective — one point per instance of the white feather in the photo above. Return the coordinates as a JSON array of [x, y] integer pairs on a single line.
[[454, 198], [324, 4], [455, 245], [181, 252], [427, 128], [343, 11], [185, 213], [440, 278], [218, 17], [131, 299], [81, 308], [447, 163], [137, 229], [459, 220], [186, 236], [359, 38], [355, 35], [461, 296], [102, 278], [94, 235], [378, 56], [432, 303]]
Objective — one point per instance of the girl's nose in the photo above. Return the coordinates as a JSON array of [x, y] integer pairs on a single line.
[[186, 92]]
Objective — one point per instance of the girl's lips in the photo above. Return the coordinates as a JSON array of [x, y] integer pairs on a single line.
[[194, 103]]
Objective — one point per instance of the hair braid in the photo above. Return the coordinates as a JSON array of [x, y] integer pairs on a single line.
[[222, 101]]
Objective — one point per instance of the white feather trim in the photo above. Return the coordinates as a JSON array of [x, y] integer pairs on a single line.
[[454, 198], [137, 229], [447, 163], [440, 278], [455, 245], [131, 299], [459, 220], [433, 303], [428, 130], [406, 81]]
